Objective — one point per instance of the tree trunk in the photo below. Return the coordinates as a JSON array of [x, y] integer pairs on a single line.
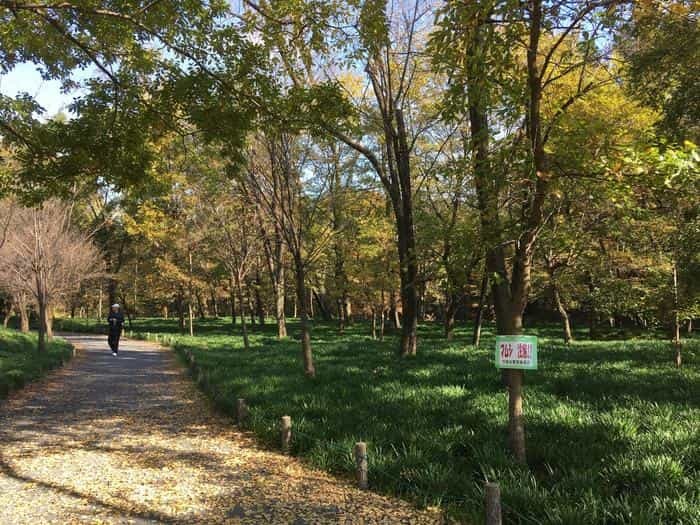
[[451, 304], [676, 318], [259, 308], [99, 304], [478, 321], [512, 325], [127, 310], [249, 299], [568, 337], [244, 325], [307, 355], [280, 316], [374, 323], [190, 293], [341, 316], [42, 306], [309, 299], [49, 323], [382, 323], [201, 305], [23, 313], [181, 310], [325, 314], [689, 329], [232, 299], [214, 301], [111, 291], [8, 313], [394, 313], [136, 277], [508, 308], [275, 266], [190, 316], [408, 270]]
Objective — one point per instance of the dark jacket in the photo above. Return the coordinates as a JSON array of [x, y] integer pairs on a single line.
[[116, 322]]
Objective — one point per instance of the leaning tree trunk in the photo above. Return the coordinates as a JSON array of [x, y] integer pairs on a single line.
[[566, 323], [306, 352]]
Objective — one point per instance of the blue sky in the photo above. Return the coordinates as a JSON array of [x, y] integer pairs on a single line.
[[26, 78]]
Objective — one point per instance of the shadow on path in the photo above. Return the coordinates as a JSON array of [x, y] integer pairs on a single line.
[[129, 439]]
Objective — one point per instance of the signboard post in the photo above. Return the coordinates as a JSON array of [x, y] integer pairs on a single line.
[[516, 351]]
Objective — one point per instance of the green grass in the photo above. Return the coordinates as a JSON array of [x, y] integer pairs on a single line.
[[613, 429], [20, 363]]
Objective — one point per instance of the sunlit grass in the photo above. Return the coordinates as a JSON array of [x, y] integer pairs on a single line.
[[613, 428], [20, 362]]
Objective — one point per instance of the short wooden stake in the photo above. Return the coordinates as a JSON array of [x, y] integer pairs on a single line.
[[286, 433], [361, 463], [492, 495], [241, 411]]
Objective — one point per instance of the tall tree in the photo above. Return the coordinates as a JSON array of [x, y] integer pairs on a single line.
[[515, 55]]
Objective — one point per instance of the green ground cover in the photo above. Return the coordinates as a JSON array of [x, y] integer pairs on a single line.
[[613, 429], [20, 363]]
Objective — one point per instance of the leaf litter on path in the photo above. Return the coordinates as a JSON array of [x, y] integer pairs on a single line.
[[131, 440]]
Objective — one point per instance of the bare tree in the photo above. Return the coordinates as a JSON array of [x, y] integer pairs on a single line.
[[47, 258]]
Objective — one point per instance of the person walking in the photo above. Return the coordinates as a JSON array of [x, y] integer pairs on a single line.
[[116, 322]]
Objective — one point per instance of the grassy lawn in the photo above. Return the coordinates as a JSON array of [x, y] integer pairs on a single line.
[[613, 429], [20, 362]]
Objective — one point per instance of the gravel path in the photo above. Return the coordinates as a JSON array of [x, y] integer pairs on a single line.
[[129, 439]]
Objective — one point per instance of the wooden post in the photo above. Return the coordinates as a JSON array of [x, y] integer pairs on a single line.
[[492, 495], [241, 411], [361, 463], [286, 433]]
